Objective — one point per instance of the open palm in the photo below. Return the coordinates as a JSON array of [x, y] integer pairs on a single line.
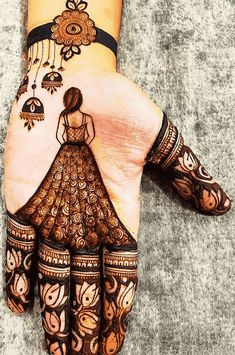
[[126, 124], [76, 204]]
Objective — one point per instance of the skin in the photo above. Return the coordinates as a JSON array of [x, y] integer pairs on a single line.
[[126, 121], [106, 16], [126, 124]]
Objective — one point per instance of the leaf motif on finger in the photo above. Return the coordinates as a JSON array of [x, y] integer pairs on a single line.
[[53, 295], [210, 199], [111, 284], [28, 261], [94, 345], [14, 307], [184, 187], [126, 296], [56, 348], [54, 324], [87, 295], [109, 309], [87, 322], [13, 259], [20, 287], [111, 344]]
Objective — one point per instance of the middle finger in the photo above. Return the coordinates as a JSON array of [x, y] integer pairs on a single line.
[[85, 310]]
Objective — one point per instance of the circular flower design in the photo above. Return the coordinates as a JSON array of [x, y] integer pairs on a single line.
[[92, 239], [73, 28]]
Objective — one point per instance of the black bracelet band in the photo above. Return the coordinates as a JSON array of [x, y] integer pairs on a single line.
[[43, 32], [159, 137]]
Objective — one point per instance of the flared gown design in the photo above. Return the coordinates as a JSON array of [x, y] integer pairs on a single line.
[[87, 260], [71, 206]]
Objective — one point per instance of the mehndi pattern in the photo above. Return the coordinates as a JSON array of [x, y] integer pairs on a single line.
[[186, 173], [75, 220], [20, 271], [72, 206], [53, 284], [73, 28], [85, 302], [120, 278]]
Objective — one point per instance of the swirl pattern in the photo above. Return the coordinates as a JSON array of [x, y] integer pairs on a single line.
[[75, 221], [71, 206]]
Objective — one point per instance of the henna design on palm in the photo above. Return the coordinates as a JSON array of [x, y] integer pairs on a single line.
[[76, 223]]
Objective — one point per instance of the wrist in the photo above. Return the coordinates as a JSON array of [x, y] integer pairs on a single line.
[[105, 14], [45, 54], [66, 38], [69, 32]]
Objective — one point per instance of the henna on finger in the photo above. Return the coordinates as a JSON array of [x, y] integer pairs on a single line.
[[120, 283], [20, 270], [85, 302], [73, 213], [53, 283], [186, 173]]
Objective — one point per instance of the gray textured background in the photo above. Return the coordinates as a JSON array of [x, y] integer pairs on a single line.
[[181, 52]]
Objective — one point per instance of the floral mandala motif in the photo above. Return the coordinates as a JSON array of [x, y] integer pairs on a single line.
[[73, 28]]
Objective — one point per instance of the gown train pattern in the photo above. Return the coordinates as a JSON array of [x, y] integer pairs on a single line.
[[87, 259]]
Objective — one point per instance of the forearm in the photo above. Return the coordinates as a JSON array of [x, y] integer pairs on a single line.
[[106, 16]]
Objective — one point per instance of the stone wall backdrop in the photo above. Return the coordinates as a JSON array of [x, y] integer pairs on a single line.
[[182, 54]]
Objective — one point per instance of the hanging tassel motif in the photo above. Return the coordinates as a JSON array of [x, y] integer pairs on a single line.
[[33, 108]]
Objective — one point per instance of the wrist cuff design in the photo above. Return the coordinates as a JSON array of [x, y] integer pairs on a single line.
[[72, 29]]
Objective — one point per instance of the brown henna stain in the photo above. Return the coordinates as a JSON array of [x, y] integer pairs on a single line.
[[186, 173]]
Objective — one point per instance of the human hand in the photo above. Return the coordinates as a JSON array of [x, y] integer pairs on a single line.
[[76, 222], [74, 227]]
